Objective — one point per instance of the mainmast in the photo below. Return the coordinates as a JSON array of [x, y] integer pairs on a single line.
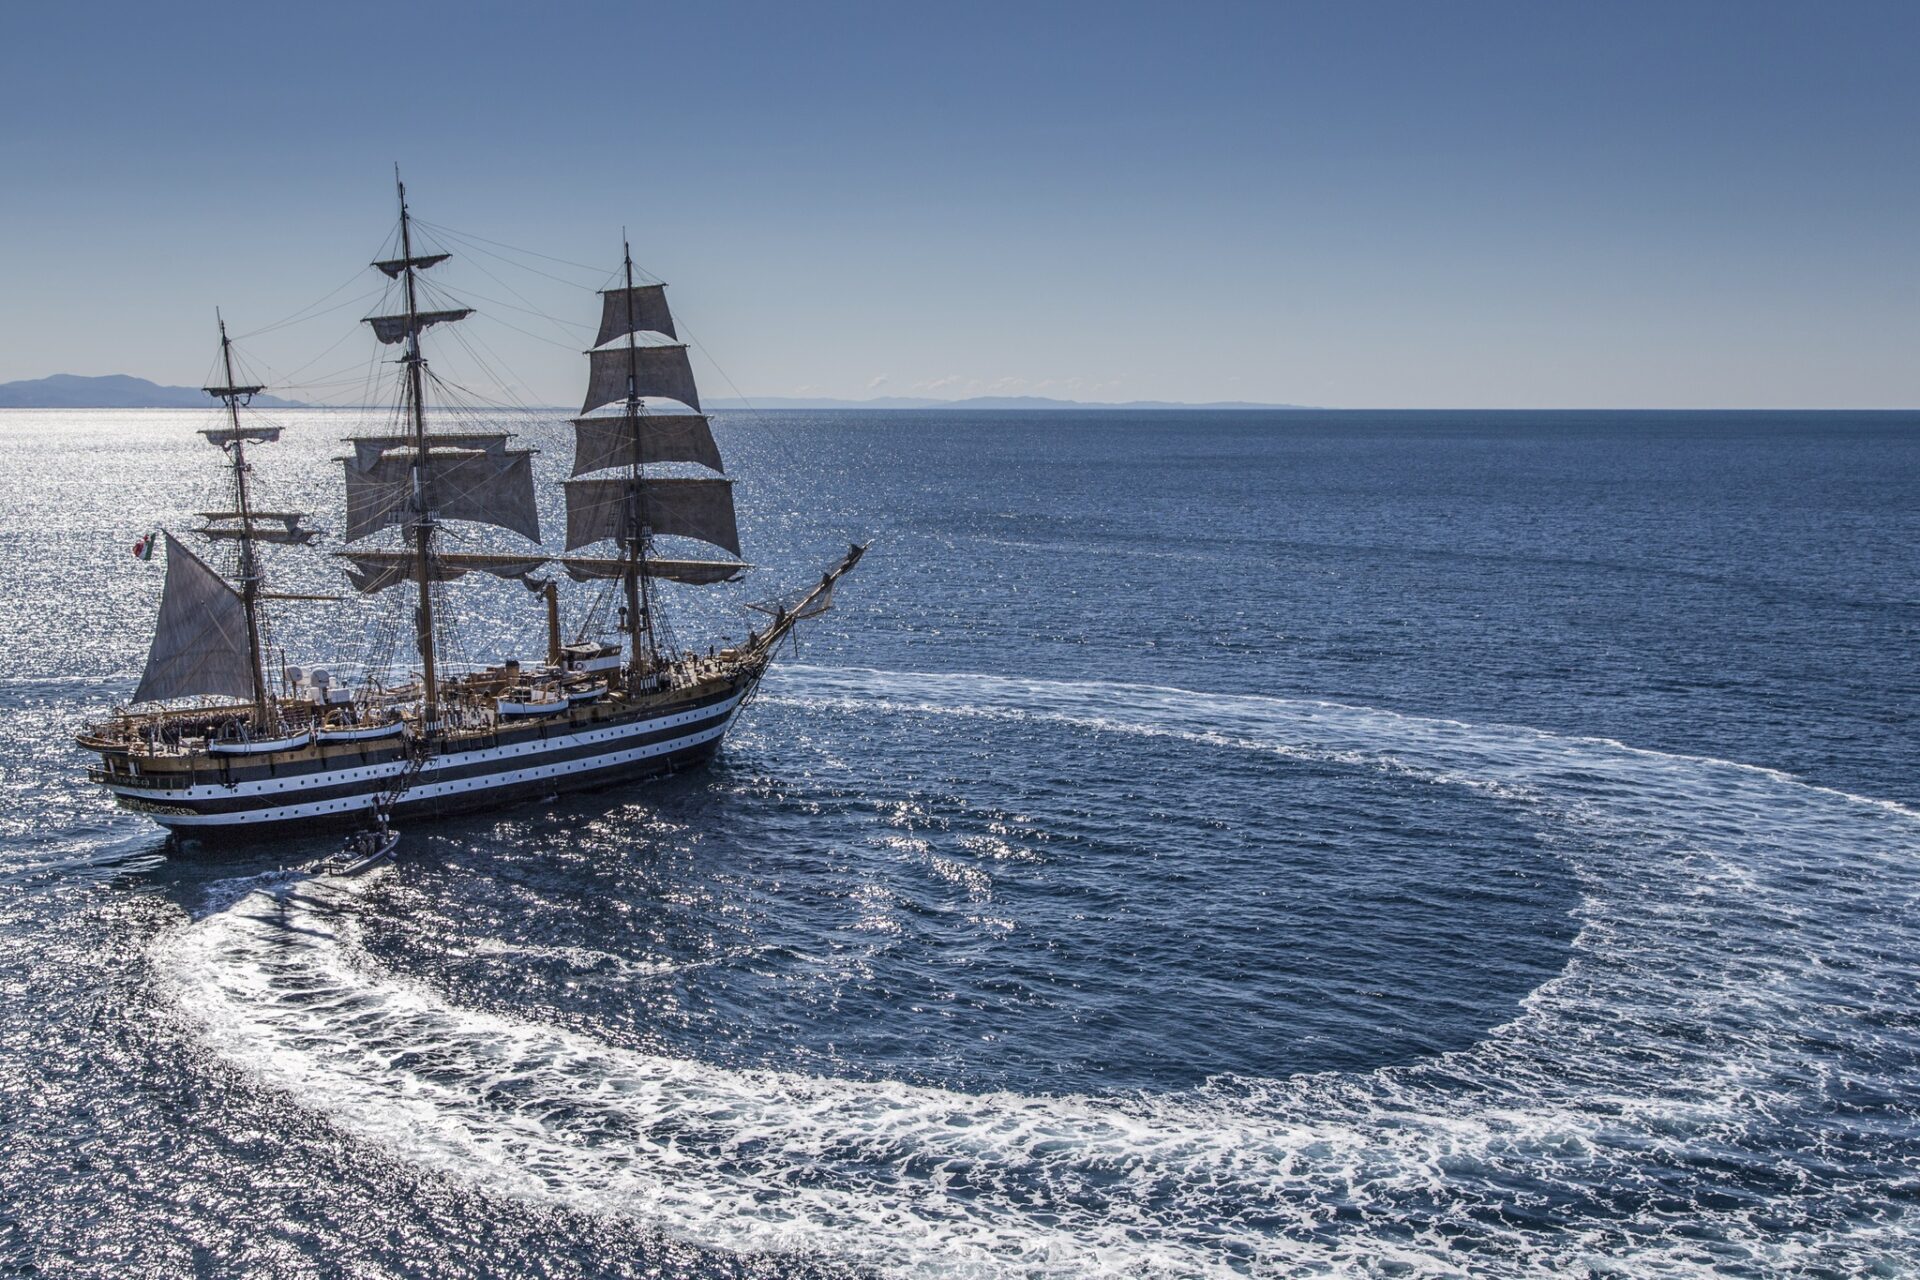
[[233, 395], [421, 527], [639, 596], [415, 480]]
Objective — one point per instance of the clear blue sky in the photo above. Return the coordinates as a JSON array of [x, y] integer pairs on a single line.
[[1364, 204]]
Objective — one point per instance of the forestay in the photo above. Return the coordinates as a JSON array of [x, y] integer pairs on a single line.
[[200, 641]]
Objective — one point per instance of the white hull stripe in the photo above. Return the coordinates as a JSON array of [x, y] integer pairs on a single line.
[[393, 768], [424, 790]]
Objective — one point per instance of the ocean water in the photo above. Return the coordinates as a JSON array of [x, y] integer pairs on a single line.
[[1197, 845]]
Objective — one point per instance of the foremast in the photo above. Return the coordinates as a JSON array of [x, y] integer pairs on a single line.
[[638, 535], [642, 410]]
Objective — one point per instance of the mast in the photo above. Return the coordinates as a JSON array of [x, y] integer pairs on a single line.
[[639, 602], [637, 355], [422, 525], [249, 560]]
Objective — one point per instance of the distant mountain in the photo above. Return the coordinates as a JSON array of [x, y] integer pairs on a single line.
[[114, 391], [981, 402]]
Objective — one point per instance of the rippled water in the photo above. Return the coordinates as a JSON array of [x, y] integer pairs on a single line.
[[1199, 845]]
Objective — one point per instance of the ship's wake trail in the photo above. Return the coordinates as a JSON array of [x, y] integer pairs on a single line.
[[1721, 1077]]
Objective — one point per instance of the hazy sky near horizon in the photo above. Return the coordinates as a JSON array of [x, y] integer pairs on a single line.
[[1366, 204]]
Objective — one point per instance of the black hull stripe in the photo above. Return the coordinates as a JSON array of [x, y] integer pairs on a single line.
[[387, 752], [319, 791], [545, 772], [450, 806]]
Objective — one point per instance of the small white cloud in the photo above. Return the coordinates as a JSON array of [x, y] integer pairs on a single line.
[[878, 380]]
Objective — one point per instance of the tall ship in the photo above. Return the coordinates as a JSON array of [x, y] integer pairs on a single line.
[[223, 742]]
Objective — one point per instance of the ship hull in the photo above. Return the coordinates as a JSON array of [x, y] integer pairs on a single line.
[[242, 800]]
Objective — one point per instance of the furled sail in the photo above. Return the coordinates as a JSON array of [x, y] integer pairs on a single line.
[[701, 508], [694, 573], [372, 571], [657, 371], [392, 267], [604, 442], [492, 487], [250, 434], [392, 329], [367, 449], [640, 309], [200, 641], [262, 526]]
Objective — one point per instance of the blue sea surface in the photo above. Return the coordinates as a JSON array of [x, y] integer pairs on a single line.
[[1215, 843]]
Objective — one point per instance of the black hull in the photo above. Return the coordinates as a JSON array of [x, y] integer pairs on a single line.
[[304, 792], [437, 807]]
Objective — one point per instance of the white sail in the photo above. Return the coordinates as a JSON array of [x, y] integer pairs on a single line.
[[649, 371], [250, 433], [693, 573], [392, 267], [598, 508], [372, 571], [200, 640], [395, 328], [641, 309], [617, 441], [492, 487], [283, 527], [367, 449]]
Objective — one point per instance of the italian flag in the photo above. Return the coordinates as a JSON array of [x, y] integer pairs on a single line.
[[143, 549]]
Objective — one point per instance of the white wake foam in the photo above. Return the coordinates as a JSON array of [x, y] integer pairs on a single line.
[[1730, 967]]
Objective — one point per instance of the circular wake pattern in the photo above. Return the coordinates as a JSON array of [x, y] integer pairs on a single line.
[[1722, 1078], [993, 905]]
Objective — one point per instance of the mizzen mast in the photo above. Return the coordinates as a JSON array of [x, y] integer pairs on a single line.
[[249, 562], [243, 524]]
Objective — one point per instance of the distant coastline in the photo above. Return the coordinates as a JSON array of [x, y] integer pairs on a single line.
[[121, 391], [981, 402], [113, 391]]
